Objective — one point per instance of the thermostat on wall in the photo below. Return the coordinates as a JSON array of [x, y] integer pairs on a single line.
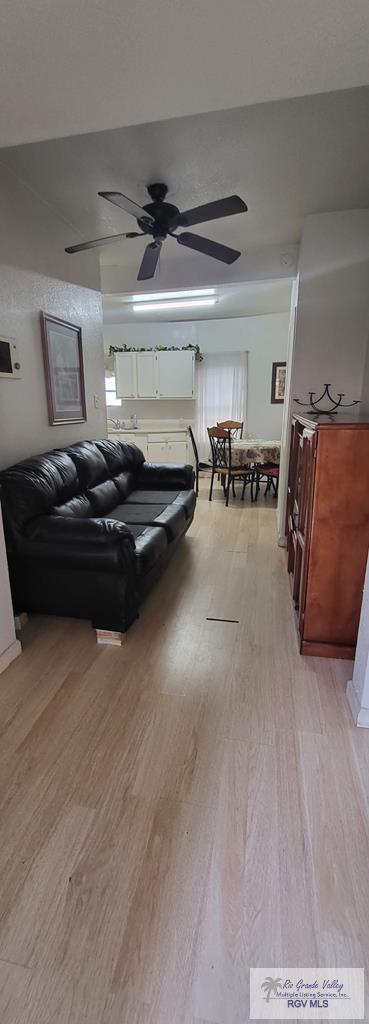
[[9, 359]]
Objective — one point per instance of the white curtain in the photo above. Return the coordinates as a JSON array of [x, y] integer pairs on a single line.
[[221, 394]]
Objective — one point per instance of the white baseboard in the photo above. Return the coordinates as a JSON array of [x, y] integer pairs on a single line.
[[8, 656], [359, 714]]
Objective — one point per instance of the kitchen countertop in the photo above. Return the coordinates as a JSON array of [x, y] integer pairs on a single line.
[[150, 427]]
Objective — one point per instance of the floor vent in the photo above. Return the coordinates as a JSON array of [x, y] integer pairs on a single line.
[[213, 618]]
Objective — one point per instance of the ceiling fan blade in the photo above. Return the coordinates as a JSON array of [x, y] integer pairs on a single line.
[[211, 211], [101, 241], [208, 247], [127, 204], [149, 262]]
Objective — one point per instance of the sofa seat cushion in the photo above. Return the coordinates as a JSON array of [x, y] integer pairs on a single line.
[[172, 518], [146, 497], [151, 546], [128, 513], [185, 498]]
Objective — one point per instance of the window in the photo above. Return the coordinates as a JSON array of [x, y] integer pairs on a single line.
[[221, 393], [110, 392]]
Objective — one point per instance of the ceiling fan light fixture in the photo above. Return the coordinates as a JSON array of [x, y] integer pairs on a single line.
[[146, 307]]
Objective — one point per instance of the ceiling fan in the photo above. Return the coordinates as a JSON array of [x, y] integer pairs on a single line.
[[160, 219]]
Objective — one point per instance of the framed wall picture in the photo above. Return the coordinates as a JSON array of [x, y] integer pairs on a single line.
[[63, 361], [278, 383]]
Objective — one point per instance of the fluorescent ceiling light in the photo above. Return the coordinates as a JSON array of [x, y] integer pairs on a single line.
[[158, 296], [192, 303]]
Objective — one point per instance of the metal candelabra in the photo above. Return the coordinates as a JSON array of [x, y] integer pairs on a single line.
[[314, 402]]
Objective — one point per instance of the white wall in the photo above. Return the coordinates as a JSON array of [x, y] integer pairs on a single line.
[[333, 305], [264, 337], [36, 274]]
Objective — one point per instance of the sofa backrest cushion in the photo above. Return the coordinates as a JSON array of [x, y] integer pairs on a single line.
[[89, 462], [120, 455], [33, 486], [124, 460], [79, 507], [113, 454], [104, 497], [125, 484]]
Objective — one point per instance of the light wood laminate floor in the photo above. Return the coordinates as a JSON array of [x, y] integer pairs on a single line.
[[181, 808]]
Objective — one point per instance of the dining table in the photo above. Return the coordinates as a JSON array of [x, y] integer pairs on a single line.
[[255, 450]]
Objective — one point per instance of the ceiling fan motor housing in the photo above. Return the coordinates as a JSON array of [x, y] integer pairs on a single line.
[[164, 214]]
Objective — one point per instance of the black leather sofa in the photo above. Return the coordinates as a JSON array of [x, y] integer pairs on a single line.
[[90, 528]]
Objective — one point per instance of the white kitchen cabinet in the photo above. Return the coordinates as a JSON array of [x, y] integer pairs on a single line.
[[147, 374], [126, 374], [152, 375], [167, 447], [161, 445], [176, 374]]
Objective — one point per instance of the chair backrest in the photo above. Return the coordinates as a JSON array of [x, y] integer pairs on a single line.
[[235, 427], [220, 442], [194, 445], [196, 454]]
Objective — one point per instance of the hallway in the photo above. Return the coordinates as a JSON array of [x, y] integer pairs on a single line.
[[184, 807]]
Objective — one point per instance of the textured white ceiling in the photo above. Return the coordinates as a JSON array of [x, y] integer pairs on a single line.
[[286, 159], [246, 299], [73, 67]]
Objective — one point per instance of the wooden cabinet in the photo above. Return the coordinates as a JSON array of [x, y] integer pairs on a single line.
[[328, 531], [152, 375]]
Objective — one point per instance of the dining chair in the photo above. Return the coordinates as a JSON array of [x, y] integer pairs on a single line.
[[221, 457], [235, 427], [196, 455], [269, 474]]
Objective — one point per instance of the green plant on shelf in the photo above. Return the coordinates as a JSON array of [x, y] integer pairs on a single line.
[[159, 348]]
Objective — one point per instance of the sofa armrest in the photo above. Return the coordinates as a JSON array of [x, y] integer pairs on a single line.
[[169, 476], [98, 544]]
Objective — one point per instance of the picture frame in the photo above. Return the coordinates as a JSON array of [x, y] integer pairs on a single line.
[[278, 383], [64, 374]]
